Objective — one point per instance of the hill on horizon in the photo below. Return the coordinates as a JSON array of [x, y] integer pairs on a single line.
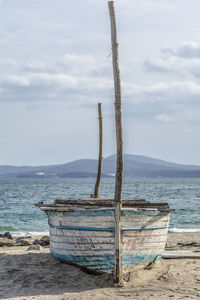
[[134, 166]]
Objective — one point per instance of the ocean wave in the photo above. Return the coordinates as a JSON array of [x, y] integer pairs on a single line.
[[184, 229], [6, 228], [32, 233]]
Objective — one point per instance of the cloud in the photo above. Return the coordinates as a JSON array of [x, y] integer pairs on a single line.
[[162, 91], [8, 62], [70, 80], [59, 60], [72, 59], [85, 65], [179, 116], [62, 84], [48, 87], [71, 64], [163, 102], [186, 50], [183, 60], [80, 78], [36, 66]]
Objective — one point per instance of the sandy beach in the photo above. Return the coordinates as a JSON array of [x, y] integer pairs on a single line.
[[35, 274]]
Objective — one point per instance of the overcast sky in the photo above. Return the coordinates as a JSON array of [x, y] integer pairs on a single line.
[[56, 65]]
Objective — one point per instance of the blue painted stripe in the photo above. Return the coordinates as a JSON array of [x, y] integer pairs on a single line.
[[105, 229], [149, 213], [82, 228], [98, 262], [145, 228]]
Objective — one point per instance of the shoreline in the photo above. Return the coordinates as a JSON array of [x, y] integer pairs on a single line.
[[35, 274]]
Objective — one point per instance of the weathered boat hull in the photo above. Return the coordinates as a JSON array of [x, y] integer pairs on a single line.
[[86, 237]]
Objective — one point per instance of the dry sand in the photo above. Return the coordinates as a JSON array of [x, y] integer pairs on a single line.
[[37, 275]]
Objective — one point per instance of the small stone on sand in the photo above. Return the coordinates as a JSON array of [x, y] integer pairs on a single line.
[[34, 248]]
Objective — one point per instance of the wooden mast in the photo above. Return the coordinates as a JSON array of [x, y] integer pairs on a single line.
[[96, 189], [119, 140]]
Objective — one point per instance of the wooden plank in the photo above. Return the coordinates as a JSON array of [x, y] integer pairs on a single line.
[[92, 217], [141, 224], [82, 239], [66, 201], [127, 209], [67, 208], [180, 254], [145, 239], [99, 222], [108, 221], [96, 208], [138, 257], [41, 204], [85, 213], [83, 252], [77, 233], [139, 204], [162, 231], [96, 264], [84, 219], [130, 248], [143, 233], [137, 262], [82, 247], [107, 202], [143, 219]]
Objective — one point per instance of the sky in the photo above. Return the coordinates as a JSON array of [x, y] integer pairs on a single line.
[[56, 65]]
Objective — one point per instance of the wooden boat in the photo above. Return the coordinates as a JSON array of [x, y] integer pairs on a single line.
[[108, 235], [82, 232]]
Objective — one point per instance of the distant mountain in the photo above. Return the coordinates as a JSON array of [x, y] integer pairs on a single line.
[[134, 166], [142, 166]]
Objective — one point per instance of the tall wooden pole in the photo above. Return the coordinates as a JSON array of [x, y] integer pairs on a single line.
[[119, 139], [96, 189]]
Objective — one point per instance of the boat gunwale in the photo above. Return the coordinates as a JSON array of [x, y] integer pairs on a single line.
[[103, 203], [125, 209]]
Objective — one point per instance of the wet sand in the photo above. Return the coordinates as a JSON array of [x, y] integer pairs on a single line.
[[37, 275]]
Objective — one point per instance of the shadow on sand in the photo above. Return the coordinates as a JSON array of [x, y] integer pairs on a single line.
[[34, 274]]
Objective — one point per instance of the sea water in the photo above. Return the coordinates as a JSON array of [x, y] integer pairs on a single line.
[[19, 215]]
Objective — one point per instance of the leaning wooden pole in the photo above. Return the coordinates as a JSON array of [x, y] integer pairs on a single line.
[[119, 139], [96, 189]]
